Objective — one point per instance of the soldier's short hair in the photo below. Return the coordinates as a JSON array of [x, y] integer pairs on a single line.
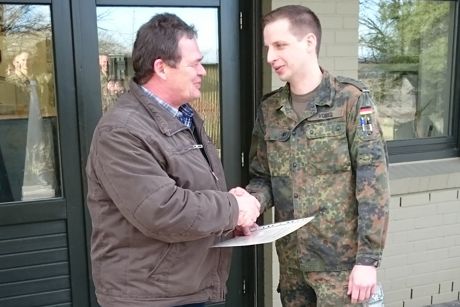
[[302, 21]]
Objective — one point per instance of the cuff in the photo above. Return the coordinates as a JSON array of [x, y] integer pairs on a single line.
[[369, 261]]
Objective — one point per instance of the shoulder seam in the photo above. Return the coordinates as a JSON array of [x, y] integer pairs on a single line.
[[356, 83]]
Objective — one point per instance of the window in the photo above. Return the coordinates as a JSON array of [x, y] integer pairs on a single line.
[[117, 28], [406, 56], [28, 118]]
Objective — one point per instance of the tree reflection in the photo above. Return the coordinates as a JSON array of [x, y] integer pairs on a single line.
[[24, 19]]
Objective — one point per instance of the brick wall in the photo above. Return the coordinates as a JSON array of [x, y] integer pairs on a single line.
[[421, 262]]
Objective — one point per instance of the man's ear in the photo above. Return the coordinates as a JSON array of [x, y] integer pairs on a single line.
[[310, 41], [159, 68]]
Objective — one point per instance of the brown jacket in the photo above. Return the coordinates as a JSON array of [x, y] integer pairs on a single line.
[[157, 204]]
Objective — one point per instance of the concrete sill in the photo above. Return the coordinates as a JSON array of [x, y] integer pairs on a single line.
[[422, 176]]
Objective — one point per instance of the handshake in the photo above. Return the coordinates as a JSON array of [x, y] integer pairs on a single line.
[[249, 210]]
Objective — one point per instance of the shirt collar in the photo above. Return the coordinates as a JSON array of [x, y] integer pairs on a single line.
[[184, 114]]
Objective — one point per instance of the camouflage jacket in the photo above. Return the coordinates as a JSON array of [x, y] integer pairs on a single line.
[[332, 163]]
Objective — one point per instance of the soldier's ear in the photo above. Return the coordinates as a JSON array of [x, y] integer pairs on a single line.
[[310, 42]]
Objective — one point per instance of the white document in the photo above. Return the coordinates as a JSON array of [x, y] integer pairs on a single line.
[[266, 233]]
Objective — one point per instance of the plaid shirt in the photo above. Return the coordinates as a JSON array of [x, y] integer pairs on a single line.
[[184, 114]]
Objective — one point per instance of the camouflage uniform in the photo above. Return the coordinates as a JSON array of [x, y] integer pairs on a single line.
[[331, 162]]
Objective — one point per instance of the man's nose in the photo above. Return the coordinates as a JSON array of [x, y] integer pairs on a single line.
[[201, 70], [270, 55]]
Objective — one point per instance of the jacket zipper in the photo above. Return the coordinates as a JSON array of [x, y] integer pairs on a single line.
[[203, 151]]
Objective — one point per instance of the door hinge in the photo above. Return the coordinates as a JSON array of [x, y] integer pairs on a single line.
[[242, 159], [241, 20], [244, 286]]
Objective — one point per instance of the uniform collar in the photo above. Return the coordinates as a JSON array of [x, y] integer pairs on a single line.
[[324, 97]]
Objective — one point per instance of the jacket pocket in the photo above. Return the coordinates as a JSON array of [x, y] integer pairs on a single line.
[[327, 147], [278, 150], [161, 259]]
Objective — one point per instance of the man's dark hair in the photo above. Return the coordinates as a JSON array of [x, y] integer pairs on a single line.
[[302, 21], [158, 39]]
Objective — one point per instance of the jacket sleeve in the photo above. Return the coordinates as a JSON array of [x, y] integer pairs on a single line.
[[370, 163], [260, 184], [149, 199]]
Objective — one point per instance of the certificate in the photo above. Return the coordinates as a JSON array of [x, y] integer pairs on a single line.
[[266, 233]]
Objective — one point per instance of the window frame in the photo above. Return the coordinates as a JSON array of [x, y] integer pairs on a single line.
[[443, 146]]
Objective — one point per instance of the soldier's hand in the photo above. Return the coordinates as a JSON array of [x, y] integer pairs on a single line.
[[362, 283]]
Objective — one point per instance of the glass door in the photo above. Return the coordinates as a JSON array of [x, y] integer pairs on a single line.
[[41, 206], [58, 72], [105, 61], [28, 117]]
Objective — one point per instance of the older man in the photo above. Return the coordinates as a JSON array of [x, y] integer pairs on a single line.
[[156, 189]]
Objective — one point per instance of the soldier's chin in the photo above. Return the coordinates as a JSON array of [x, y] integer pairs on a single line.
[[281, 75], [283, 78]]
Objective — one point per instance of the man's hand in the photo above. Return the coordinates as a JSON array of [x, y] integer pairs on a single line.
[[244, 231], [238, 191], [362, 283], [249, 208]]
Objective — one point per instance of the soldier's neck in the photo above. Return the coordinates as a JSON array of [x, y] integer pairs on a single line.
[[306, 82]]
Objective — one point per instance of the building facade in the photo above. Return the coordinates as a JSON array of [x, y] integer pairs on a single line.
[[64, 63]]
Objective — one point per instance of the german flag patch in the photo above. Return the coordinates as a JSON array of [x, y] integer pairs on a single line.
[[365, 119]]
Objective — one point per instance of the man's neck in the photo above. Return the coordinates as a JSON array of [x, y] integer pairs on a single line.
[[307, 82], [162, 92]]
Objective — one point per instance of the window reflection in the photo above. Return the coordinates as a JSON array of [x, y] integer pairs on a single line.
[[113, 78], [117, 28], [28, 120], [406, 59]]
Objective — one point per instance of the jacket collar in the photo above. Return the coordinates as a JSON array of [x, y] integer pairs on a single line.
[[168, 124]]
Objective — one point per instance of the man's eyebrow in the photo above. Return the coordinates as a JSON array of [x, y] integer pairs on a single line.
[[199, 59], [276, 43]]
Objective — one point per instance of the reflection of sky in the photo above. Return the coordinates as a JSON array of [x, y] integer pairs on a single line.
[[367, 10], [122, 23]]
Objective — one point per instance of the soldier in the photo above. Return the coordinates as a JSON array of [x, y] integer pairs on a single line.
[[317, 149]]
